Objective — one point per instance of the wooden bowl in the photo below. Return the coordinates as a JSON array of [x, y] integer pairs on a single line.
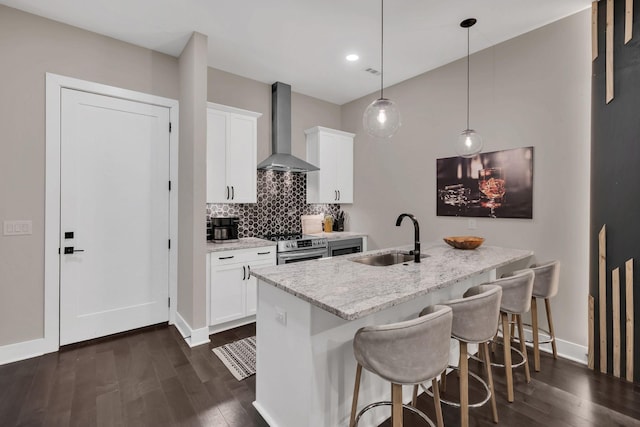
[[464, 242]]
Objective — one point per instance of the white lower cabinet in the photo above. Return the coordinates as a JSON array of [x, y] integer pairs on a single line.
[[232, 288]]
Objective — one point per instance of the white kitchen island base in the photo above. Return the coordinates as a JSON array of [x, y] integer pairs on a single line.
[[305, 363]]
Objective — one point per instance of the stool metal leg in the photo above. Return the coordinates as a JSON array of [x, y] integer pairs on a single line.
[[484, 348], [507, 355], [356, 390], [547, 304], [396, 408], [523, 348], [536, 336]]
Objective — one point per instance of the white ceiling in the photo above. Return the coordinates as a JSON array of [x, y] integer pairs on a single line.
[[304, 42]]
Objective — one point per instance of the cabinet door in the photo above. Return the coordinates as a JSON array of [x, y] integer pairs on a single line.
[[241, 158], [227, 292], [216, 156], [252, 286], [332, 151], [328, 181], [343, 170]]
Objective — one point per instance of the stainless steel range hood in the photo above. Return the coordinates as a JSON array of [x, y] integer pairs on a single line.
[[281, 158]]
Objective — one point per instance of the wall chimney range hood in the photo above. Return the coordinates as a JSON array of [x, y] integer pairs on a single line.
[[281, 159]]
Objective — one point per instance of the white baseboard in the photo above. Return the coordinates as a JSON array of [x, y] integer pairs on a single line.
[[566, 349], [232, 324], [22, 350], [193, 337]]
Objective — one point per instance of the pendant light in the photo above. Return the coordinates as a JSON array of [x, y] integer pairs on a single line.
[[381, 119], [469, 142]]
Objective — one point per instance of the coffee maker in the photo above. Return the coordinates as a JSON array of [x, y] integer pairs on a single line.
[[222, 229]]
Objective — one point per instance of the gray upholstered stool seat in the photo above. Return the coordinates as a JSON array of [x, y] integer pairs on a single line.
[[404, 353], [475, 321], [545, 286], [516, 300]]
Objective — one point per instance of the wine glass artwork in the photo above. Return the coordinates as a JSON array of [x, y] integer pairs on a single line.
[[492, 184]]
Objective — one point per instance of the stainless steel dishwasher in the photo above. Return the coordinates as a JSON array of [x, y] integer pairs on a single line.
[[345, 246]]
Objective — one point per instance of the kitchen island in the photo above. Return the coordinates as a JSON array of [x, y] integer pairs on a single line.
[[309, 312]]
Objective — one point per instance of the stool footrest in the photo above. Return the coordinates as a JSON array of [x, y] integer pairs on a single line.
[[548, 340], [389, 403], [514, 350], [457, 404]]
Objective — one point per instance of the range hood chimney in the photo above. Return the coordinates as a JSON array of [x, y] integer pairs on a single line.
[[281, 158]]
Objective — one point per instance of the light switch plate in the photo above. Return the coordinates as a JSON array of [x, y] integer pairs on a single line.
[[17, 228]]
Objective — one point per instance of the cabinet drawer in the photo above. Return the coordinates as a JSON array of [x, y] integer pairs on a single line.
[[243, 255]]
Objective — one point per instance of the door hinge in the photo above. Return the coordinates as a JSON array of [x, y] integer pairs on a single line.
[[169, 185], [169, 127], [169, 243]]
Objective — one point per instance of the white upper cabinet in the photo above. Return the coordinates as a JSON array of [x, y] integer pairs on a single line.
[[231, 154], [332, 151]]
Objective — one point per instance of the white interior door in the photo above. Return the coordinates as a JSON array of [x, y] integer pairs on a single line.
[[114, 198]]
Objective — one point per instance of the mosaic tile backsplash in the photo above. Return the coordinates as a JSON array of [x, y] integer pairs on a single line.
[[282, 199]]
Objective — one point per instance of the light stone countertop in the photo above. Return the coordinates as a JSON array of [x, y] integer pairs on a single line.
[[351, 290], [339, 235], [244, 243]]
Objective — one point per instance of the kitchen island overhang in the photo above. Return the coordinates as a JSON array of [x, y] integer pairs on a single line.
[[309, 312]]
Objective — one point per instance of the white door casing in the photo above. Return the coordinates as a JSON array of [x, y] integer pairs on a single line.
[[55, 84], [114, 166]]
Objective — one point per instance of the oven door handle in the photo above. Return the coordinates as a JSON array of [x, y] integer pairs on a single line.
[[302, 254]]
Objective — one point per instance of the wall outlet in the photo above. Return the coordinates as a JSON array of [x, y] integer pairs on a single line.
[[17, 228], [281, 316], [471, 224]]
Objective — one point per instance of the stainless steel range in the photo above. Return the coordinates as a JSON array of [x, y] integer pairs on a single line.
[[296, 247]]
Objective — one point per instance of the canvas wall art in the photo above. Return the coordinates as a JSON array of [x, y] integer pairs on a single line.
[[498, 184]]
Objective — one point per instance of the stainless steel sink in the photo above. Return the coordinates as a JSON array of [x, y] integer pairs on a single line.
[[391, 258]]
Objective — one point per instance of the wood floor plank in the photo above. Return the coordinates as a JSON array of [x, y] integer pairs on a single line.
[[22, 375], [36, 401], [180, 407]]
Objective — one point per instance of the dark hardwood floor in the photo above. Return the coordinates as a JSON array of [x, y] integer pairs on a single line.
[[152, 378]]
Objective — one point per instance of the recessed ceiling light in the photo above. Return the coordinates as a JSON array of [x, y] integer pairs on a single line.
[[352, 57]]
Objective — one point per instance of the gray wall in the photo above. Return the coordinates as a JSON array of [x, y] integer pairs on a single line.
[[192, 182], [30, 46], [533, 90]]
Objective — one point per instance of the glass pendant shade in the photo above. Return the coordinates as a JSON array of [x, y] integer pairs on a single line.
[[469, 143], [381, 119]]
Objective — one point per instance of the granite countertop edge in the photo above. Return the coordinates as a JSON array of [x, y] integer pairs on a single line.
[[244, 243], [357, 313]]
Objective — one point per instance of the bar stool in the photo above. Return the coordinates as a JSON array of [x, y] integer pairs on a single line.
[[516, 299], [545, 286], [475, 321], [403, 353]]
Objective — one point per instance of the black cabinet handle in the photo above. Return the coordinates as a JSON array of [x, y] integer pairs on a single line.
[[249, 270], [244, 272], [225, 257], [233, 193], [227, 192], [68, 250], [264, 253], [335, 195], [338, 194]]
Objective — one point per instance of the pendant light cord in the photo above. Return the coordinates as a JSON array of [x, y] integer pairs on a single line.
[[468, 77], [381, 49]]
